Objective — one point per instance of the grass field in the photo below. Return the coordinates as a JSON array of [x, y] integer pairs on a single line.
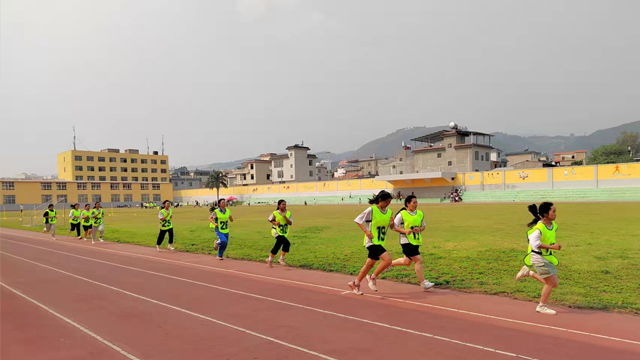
[[475, 248]]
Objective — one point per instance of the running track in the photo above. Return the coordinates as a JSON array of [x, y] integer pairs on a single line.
[[69, 299]]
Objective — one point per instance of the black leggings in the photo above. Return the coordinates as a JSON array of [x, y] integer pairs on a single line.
[[161, 236], [281, 241], [75, 227]]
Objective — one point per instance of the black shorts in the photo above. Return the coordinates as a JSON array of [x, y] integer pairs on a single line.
[[410, 250], [375, 251], [86, 227]]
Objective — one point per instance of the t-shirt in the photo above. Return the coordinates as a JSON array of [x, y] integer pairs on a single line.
[[160, 215], [273, 217], [399, 221], [365, 219], [534, 242], [215, 215], [46, 213]]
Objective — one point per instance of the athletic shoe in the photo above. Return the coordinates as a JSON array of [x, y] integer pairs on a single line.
[[85, 239], [270, 262], [101, 240], [215, 246], [170, 247], [372, 283], [387, 269], [92, 241], [158, 247], [281, 261], [524, 272], [219, 258], [426, 285], [53, 239], [544, 309], [355, 288], [80, 238]]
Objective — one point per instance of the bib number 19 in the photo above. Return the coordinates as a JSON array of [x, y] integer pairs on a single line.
[[382, 232]]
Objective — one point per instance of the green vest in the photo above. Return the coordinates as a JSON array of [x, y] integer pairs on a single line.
[[53, 220], [98, 219], [223, 220], [548, 238], [166, 224], [86, 221], [283, 228], [379, 225], [75, 219], [411, 222]]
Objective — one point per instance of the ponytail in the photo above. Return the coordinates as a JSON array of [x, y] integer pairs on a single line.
[[382, 196], [539, 213], [407, 201]]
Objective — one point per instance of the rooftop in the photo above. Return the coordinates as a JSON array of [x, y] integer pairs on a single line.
[[298, 147], [571, 152], [439, 136], [524, 152]]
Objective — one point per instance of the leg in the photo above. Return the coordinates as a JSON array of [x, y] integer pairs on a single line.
[[286, 246], [365, 270], [550, 283], [170, 231], [277, 246], [160, 237], [53, 231], [78, 229], [223, 243], [101, 227], [94, 230], [385, 263], [405, 261], [418, 267]]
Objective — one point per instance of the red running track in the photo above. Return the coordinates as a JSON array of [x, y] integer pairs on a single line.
[[72, 300]]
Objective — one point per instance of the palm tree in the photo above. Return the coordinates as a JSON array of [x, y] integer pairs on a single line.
[[216, 180]]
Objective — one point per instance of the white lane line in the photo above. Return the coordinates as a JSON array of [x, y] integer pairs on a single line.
[[334, 289], [177, 308], [80, 327], [280, 301]]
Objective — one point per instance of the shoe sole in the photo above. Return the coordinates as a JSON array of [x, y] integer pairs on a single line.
[[355, 290], [518, 277], [371, 286]]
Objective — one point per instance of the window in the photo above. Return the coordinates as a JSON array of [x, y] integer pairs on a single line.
[[83, 198], [400, 159], [62, 198], [164, 171], [145, 179], [111, 159], [144, 186], [115, 197], [134, 170], [310, 162], [157, 198], [481, 157], [477, 155], [143, 161], [79, 178], [9, 199], [95, 186], [127, 187], [154, 171], [115, 186], [144, 170], [90, 158], [311, 173], [91, 168], [91, 178], [251, 166], [46, 198], [439, 155], [81, 186], [144, 197], [10, 185], [78, 168], [244, 176], [102, 169], [252, 177], [450, 145], [280, 174], [123, 169], [61, 186], [101, 158], [165, 179], [154, 162], [77, 158], [123, 160], [155, 186], [278, 164], [449, 163], [96, 198], [134, 179], [45, 186], [401, 172], [113, 178], [291, 166], [486, 156], [268, 176], [291, 176], [163, 162], [124, 178], [102, 178], [128, 198], [134, 161], [154, 179]]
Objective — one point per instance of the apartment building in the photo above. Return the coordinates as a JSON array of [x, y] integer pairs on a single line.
[[568, 158], [297, 165]]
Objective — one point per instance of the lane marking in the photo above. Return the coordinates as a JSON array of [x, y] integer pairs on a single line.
[[276, 301], [177, 308], [330, 288], [80, 327]]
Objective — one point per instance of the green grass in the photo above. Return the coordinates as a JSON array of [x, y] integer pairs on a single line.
[[474, 248]]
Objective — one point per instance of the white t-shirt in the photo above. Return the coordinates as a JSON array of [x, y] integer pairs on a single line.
[[365, 219], [399, 221], [534, 242], [272, 217], [160, 216]]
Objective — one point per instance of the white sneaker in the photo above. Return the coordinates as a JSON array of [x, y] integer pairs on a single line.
[[281, 261], [270, 262], [52, 238], [85, 239], [426, 285], [219, 258], [158, 247], [544, 309], [170, 247], [101, 240], [355, 288], [92, 241], [524, 272], [372, 283]]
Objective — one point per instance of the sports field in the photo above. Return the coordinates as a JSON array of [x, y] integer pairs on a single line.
[[475, 248]]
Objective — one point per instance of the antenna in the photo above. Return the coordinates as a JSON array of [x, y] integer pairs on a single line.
[[162, 144], [147, 146], [74, 138]]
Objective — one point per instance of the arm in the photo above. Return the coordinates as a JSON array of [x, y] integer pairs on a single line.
[[392, 224], [230, 218], [366, 232], [212, 219], [552, 247], [289, 222], [398, 226]]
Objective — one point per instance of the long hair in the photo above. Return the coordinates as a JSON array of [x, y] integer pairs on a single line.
[[539, 213], [408, 201], [382, 196], [279, 203]]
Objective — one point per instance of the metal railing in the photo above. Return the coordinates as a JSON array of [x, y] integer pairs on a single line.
[[33, 217]]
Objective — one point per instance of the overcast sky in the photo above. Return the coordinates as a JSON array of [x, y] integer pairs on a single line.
[[224, 80]]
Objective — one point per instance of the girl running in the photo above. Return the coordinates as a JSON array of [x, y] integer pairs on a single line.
[[74, 220], [220, 219], [281, 221], [410, 224], [97, 216], [374, 222], [86, 220], [166, 225], [49, 218], [542, 242]]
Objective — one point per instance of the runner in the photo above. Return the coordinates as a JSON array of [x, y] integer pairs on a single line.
[[50, 219], [281, 220], [220, 219], [374, 222], [410, 224], [97, 221], [86, 220], [542, 242], [166, 225], [74, 220]]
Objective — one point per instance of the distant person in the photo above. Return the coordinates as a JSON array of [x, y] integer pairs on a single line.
[[281, 221], [74, 220], [359, 201], [97, 216], [50, 219], [220, 219], [21, 209], [315, 203], [86, 220], [166, 225], [305, 203], [542, 242]]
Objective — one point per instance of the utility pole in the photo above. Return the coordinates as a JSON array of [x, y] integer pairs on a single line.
[[74, 138]]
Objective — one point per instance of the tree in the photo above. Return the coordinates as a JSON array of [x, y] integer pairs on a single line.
[[609, 154], [630, 141], [216, 180], [577, 163]]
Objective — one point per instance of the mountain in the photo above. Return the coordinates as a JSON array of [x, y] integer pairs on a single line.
[[388, 145]]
